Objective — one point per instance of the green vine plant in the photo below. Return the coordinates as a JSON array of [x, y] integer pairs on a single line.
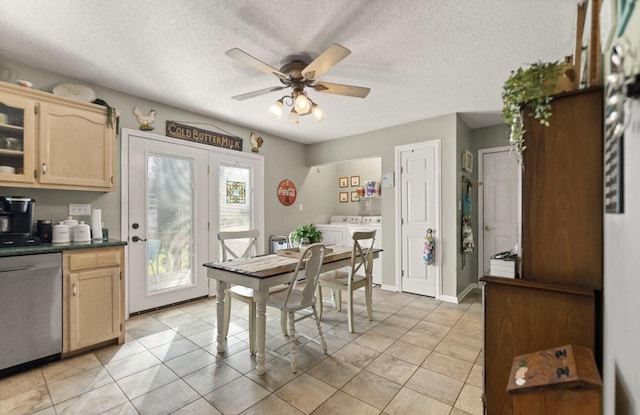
[[306, 231], [530, 87]]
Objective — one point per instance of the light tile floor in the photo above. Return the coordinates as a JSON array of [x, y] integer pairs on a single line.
[[418, 356]]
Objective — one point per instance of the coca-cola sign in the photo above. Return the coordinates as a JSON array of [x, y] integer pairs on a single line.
[[287, 192]]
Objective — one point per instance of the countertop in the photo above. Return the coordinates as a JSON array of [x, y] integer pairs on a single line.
[[46, 248]]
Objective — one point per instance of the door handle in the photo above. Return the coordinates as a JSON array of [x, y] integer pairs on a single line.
[[136, 238], [487, 228]]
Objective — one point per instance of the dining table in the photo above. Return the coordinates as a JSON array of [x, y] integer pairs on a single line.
[[260, 273]]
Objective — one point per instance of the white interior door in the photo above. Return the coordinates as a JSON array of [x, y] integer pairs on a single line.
[[419, 208], [167, 223], [499, 202]]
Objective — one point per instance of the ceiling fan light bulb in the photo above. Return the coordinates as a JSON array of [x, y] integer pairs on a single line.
[[276, 109], [302, 104], [317, 113]]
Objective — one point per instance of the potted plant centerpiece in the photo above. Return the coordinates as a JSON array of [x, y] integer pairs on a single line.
[[532, 87], [306, 235]]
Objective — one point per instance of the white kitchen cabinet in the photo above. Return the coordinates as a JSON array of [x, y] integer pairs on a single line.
[[93, 297], [59, 143]]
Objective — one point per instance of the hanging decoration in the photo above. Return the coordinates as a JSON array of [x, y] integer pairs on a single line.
[[236, 192], [429, 246], [287, 192], [467, 227]]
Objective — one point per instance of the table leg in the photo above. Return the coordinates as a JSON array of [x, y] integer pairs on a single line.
[[221, 288], [260, 297]]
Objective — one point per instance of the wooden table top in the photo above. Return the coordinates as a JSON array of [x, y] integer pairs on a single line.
[[269, 265]]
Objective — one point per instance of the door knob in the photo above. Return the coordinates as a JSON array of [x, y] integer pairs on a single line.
[[487, 228], [136, 238]]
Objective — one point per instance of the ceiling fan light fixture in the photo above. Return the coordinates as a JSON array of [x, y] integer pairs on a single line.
[[302, 104], [275, 110], [293, 117], [317, 113]]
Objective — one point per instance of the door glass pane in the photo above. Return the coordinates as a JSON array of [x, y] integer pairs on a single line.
[[11, 140], [235, 202], [170, 217]]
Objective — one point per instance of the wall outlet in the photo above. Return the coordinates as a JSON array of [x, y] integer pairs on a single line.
[[77, 209]]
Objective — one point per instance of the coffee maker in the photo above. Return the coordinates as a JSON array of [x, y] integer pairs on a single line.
[[16, 221]]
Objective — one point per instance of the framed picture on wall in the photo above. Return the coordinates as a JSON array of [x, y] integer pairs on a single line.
[[467, 161], [354, 196], [344, 197], [355, 181], [343, 181]]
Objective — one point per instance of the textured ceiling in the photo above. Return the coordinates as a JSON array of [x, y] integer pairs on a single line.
[[421, 58]]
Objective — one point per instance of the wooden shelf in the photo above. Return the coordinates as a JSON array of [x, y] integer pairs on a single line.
[[11, 127], [11, 153]]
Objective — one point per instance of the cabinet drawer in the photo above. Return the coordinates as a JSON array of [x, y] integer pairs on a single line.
[[90, 259]]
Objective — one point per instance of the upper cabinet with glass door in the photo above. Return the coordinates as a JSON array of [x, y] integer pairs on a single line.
[[52, 142], [17, 140]]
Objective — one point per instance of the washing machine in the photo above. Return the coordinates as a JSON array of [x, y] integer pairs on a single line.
[[371, 223], [336, 232]]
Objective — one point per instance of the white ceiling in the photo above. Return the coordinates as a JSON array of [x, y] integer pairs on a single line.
[[421, 58]]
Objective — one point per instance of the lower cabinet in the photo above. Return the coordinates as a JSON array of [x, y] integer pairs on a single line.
[[522, 317], [93, 297]]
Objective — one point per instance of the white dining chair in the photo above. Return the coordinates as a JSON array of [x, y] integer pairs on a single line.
[[357, 275], [295, 299], [232, 243]]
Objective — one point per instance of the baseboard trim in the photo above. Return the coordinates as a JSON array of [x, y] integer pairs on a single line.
[[460, 297]]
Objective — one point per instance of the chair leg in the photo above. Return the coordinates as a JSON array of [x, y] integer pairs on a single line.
[[323, 342], [337, 299], [283, 323], [350, 311], [319, 301], [292, 342], [252, 328], [368, 293], [227, 312]]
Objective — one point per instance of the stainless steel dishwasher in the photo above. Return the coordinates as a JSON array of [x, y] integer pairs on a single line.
[[30, 311]]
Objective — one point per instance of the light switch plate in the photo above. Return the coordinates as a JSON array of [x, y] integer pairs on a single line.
[[77, 209]]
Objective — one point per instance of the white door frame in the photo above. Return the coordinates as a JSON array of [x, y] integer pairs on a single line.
[[481, 153], [398, 216], [124, 194]]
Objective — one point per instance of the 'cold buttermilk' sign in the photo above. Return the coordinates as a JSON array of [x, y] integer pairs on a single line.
[[187, 132]]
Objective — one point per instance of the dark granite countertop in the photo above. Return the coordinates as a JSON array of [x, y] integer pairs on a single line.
[[46, 248]]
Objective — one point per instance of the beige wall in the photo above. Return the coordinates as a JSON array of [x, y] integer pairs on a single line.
[[382, 143]]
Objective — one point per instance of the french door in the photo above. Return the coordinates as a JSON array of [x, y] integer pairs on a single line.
[[167, 223]]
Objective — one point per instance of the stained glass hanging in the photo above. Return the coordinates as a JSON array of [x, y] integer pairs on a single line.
[[236, 192]]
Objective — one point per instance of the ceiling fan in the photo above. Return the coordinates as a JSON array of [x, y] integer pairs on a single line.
[[298, 75]]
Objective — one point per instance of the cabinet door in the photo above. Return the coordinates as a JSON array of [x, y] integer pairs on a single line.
[[562, 193], [94, 307], [76, 148], [17, 140]]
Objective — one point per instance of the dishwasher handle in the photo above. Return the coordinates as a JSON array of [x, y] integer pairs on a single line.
[[27, 268]]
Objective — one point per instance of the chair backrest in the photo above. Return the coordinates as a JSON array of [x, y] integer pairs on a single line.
[[232, 244], [362, 253], [311, 259]]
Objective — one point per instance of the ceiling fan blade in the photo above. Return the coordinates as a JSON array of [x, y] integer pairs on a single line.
[[257, 93], [340, 89], [327, 59], [244, 57]]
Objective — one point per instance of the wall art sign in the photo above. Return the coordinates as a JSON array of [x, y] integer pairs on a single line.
[[614, 133], [198, 135], [287, 192]]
